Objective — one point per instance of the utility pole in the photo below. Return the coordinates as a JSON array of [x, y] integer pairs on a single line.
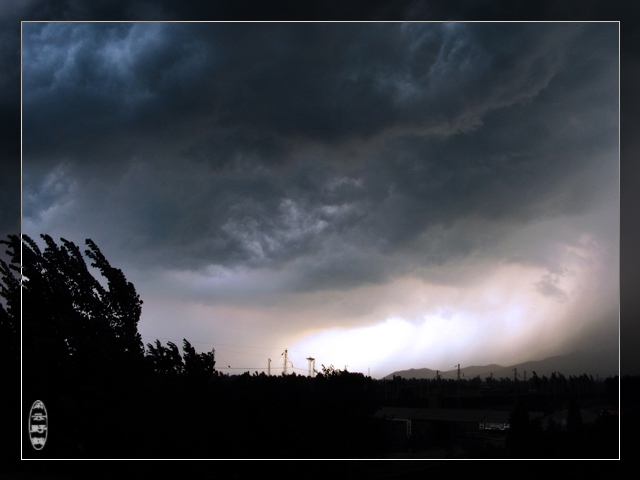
[[269, 368], [284, 369], [458, 381]]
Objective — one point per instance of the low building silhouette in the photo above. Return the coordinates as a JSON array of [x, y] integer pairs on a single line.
[[441, 427]]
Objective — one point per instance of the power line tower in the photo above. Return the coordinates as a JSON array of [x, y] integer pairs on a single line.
[[286, 361], [312, 366]]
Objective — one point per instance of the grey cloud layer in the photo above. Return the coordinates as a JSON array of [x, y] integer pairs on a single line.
[[234, 144], [322, 82]]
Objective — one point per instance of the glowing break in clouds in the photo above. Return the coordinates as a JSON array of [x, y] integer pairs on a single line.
[[516, 313]]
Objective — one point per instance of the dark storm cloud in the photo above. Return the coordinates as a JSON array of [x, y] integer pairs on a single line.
[[109, 88], [233, 143]]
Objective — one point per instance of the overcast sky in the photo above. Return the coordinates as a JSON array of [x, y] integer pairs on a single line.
[[377, 195]]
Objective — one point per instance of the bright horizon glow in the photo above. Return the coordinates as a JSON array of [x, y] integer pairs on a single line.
[[503, 317], [511, 315]]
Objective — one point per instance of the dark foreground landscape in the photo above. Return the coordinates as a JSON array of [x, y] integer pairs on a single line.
[[337, 414], [107, 396]]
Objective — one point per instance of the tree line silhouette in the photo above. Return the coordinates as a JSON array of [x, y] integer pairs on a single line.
[[110, 397], [541, 392]]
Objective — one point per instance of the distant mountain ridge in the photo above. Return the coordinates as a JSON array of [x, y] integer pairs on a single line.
[[596, 364]]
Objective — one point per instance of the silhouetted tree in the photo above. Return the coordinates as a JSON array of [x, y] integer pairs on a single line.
[[10, 307], [82, 352], [489, 381], [71, 323], [534, 382], [328, 372], [165, 360], [197, 364]]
